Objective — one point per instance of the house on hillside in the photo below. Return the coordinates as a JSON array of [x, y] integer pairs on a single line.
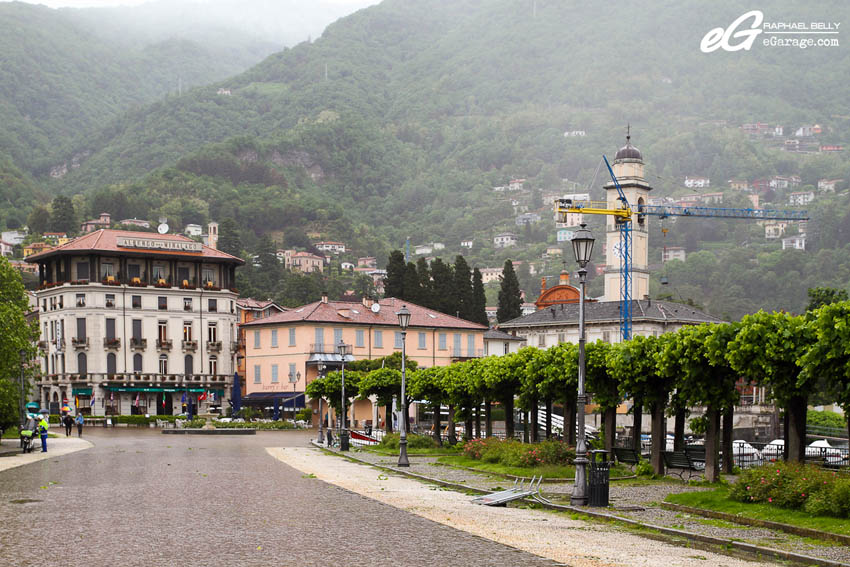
[[711, 198], [103, 221], [828, 185], [673, 253], [527, 218], [332, 247], [505, 240], [6, 249], [775, 230], [697, 182], [135, 222], [467, 243], [797, 242], [801, 198], [738, 184]]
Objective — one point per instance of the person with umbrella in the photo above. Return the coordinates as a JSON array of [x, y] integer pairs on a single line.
[[67, 420]]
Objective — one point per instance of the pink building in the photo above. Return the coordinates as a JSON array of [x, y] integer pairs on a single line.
[[287, 351]]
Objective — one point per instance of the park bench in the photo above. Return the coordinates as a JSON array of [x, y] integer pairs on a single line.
[[697, 455], [682, 462], [627, 456], [517, 492]]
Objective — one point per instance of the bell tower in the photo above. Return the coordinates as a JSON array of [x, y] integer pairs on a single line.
[[628, 168]]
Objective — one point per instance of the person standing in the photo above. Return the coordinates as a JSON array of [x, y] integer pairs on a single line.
[[42, 430], [68, 422], [79, 420]]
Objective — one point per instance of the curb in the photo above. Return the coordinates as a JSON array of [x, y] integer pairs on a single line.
[[740, 546], [743, 520]]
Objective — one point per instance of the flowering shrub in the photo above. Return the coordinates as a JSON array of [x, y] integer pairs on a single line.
[[795, 486], [513, 453]]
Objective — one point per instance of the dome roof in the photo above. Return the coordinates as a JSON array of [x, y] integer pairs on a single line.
[[628, 151]]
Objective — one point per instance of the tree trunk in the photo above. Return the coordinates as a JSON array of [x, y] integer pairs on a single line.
[[467, 425], [610, 418], [478, 420], [535, 422], [785, 429], [679, 431], [570, 422], [452, 437], [388, 418], [728, 457], [488, 419], [658, 434], [437, 426], [549, 418], [712, 470], [796, 443], [637, 410], [508, 404], [525, 428]]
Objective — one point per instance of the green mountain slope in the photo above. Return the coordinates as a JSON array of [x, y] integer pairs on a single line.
[[59, 81]]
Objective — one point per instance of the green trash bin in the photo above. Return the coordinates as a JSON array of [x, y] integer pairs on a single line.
[[599, 478]]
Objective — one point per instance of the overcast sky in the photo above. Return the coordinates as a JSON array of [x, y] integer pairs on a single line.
[[354, 4]]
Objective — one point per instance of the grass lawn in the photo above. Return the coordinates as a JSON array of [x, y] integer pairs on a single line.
[[11, 433], [718, 501], [430, 451], [548, 471]]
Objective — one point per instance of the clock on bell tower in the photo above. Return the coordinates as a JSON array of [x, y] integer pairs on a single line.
[[628, 168]]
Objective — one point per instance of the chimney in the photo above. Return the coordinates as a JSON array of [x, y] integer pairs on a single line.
[[565, 278], [542, 285], [648, 300], [212, 235], [367, 301], [324, 297]]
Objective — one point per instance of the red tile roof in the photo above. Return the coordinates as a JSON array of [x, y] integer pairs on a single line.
[[106, 240], [251, 303], [342, 312]]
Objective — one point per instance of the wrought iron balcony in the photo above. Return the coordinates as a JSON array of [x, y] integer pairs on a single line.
[[112, 343], [163, 344], [80, 343], [190, 346], [213, 346], [138, 344]]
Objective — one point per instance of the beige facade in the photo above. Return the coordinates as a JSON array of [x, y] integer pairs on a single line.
[[628, 167], [287, 351]]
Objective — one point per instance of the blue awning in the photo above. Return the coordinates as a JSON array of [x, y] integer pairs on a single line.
[[284, 399]]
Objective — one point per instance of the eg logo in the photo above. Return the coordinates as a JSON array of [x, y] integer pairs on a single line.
[[718, 38]]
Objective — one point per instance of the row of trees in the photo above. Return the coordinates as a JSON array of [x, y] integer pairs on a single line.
[[452, 289], [696, 366]]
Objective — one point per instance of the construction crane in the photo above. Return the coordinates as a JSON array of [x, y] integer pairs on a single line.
[[623, 216]]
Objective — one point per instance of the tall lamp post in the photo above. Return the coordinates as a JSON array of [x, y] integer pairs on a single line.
[[342, 349], [583, 248], [321, 437], [23, 355], [403, 321]]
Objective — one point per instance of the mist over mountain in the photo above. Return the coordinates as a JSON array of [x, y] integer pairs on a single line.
[[400, 119]]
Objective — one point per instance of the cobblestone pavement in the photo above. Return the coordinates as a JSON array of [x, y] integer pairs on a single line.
[[142, 498], [635, 501]]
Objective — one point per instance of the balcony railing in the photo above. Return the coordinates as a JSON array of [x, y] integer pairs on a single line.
[[163, 344], [467, 353], [190, 346], [80, 343], [138, 344], [111, 343], [139, 379], [213, 346], [326, 348]]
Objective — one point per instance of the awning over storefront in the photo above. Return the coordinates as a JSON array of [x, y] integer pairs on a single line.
[[287, 400], [159, 390], [81, 391]]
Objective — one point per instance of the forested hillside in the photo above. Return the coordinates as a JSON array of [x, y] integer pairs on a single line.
[[401, 118], [60, 81]]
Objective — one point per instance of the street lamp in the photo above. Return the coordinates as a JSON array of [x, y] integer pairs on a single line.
[[342, 349], [294, 379], [321, 437], [582, 248], [23, 354], [403, 321]]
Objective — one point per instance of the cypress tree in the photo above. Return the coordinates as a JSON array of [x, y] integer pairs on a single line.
[[410, 284], [441, 274], [394, 283], [462, 278], [62, 215], [510, 300], [228, 237], [426, 286], [479, 299]]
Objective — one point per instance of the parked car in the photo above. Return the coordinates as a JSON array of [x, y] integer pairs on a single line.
[[774, 450], [821, 449], [744, 454]]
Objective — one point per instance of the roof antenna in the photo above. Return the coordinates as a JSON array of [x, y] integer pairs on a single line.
[[628, 132]]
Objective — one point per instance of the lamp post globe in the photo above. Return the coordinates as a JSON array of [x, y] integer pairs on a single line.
[[342, 350], [403, 321], [582, 248]]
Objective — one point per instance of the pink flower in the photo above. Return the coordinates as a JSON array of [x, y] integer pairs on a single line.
[[748, 488], [770, 499]]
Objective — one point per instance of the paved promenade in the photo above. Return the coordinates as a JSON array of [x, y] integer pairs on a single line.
[[140, 498]]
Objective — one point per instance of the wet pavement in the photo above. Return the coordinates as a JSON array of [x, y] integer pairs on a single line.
[[142, 498]]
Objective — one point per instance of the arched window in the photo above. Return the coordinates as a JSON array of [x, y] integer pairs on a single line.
[[137, 362], [82, 364], [55, 396], [188, 365], [111, 363]]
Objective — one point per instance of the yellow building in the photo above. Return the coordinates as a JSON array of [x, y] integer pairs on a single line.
[[287, 351]]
